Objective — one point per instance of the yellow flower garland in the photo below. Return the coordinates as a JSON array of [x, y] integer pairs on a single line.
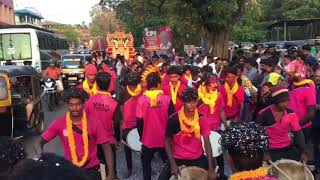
[[174, 92], [72, 144], [135, 92], [208, 98], [152, 95], [189, 126], [306, 81], [104, 92], [188, 77], [86, 87], [258, 173], [230, 92]]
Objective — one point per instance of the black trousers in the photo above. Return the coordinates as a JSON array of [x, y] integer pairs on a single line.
[[94, 173], [127, 150], [201, 162], [102, 158], [307, 132], [146, 158], [290, 152], [315, 144]]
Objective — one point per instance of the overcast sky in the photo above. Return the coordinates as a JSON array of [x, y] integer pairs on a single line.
[[62, 11]]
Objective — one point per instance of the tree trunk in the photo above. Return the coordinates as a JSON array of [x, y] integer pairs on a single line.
[[216, 41]]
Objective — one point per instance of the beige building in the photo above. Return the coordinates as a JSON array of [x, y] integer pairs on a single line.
[[6, 12], [28, 16]]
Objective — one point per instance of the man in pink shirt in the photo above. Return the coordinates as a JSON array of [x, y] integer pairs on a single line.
[[279, 122], [153, 111], [105, 68], [233, 96], [102, 109], [302, 96], [80, 137]]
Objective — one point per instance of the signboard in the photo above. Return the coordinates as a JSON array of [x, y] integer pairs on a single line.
[[159, 40], [189, 49]]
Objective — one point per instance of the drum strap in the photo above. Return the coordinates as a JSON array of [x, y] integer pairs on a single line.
[[79, 131]]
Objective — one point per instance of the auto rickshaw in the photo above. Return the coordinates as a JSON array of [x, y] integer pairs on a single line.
[[72, 68], [21, 110]]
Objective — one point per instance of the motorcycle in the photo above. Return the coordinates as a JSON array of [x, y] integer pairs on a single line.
[[50, 93]]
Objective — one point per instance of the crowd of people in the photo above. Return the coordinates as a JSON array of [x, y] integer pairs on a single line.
[[264, 106]]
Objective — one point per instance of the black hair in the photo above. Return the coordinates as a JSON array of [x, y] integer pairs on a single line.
[[306, 47], [267, 62], [103, 81], [76, 93], [132, 79], [194, 70], [231, 70], [189, 95], [174, 70], [252, 61], [11, 153], [240, 67], [246, 144], [153, 80], [206, 69], [186, 68], [48, 167], [206, 78]]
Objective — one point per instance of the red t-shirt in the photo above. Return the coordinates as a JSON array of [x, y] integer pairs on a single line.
[[155, 120], [300, 99], [53, 73], [167, 91], [101, 108], [165, 80], [237, 99], [279, 130], [96, 136], [186, 147], [213, 120]]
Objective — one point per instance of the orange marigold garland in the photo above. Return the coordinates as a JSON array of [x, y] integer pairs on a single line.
[[72, 144], [254, 174]]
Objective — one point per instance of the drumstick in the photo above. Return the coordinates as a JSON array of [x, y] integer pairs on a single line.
[[305, 170], [217, 169], [280, 170]]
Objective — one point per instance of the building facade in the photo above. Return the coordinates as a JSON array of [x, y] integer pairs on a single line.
[[28, 16], [6, 12]]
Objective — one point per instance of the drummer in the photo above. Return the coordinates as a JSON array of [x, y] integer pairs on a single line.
[[246, 144], [153, 111], [128, 100], [102, 109], [279, 122], [183, 139], [210, 106]]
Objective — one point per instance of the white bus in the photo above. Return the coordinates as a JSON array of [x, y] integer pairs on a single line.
[[30, 45]]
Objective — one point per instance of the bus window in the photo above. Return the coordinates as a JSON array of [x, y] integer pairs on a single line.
[[15, 46], [3, 89]]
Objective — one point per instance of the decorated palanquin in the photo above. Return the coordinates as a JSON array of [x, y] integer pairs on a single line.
[[121, 43]]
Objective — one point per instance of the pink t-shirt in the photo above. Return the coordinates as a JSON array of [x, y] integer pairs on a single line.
[[213, 119], [279, 130], [155, 120], [237, 99], [167, 91], [165, 80], [300, 99], [189, 147], [129, 113], [112, 81], [100, 108], [96, 136]]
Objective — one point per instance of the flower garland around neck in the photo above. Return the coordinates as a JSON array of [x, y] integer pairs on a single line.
[[104, 93], [71, 141], [135, 92], [189, 126], [86, 87], [174, 92], [153, 95], [230, 92], [303, 82], [208, 98], [188, 77], [250, 175]]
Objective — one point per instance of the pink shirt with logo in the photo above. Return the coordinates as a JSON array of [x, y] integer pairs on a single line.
[[237, 99], [189, 147], [100, 108], [212, 119], [155, 120], [96, 136], [167, 91], [300, 99]]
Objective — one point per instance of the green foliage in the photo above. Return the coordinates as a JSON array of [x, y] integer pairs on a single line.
[[71, 34]]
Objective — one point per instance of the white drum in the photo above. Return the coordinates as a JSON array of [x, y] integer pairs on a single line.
[[133, 140], [215, 143], [289, 169], [191, 173]]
